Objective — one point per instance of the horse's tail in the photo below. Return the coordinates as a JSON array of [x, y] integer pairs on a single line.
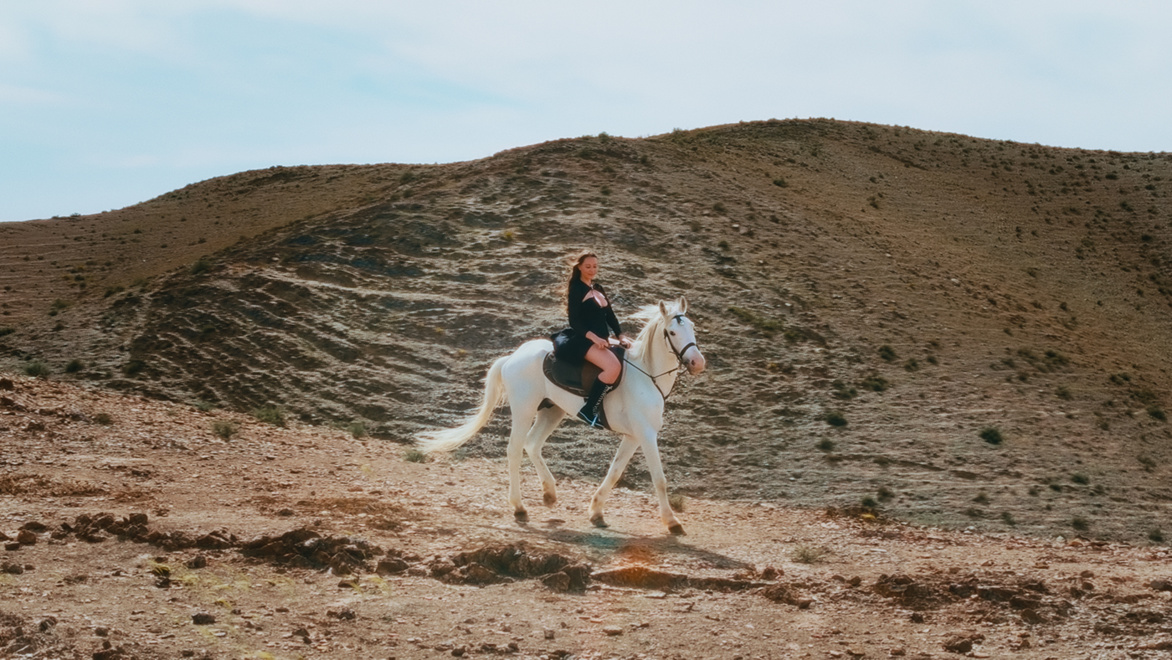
[[446, 440]]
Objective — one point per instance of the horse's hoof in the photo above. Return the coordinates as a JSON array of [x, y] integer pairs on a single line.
[[677, 530], [597, 521], [521, 516], [550, 499]]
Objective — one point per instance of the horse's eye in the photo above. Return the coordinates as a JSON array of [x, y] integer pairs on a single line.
[[673, 333]]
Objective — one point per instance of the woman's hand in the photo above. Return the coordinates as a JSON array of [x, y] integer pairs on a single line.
[[598, 342], [624, 341]]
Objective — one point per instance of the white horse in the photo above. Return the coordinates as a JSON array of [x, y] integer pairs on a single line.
[[665, 346]]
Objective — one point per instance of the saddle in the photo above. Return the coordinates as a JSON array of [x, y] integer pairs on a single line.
[[578, 378]]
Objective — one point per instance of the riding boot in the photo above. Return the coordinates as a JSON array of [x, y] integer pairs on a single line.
[[590, 412]]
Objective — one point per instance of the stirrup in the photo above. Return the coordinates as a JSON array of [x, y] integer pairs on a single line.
[[590, 421]]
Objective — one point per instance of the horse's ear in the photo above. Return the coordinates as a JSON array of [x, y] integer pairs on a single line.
[[662, 309], [683, 305]]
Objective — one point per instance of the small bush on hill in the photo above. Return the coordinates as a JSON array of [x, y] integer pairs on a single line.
[[270, 415], [36, 369], [991, 435], [224, 428]]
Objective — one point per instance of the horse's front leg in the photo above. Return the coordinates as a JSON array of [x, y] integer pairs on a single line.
[[547, 420], [659, 482], [621, 458]]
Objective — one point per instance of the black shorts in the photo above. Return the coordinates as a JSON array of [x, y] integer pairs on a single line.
[[570, 346]]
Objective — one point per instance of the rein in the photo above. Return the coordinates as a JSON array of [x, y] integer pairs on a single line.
[[679, 368]]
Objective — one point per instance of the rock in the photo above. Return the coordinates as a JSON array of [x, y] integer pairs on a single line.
[[25, 537], [612, 631], [1161, 585], [101, 631], [11, 569], [962, 643], [391, 565], [344, 614], [35, 527], [198, 561], [12, 546], [202, 619], [1031, 616], [7, 384]]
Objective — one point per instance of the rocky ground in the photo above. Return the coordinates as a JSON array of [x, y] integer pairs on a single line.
[[135, 528]]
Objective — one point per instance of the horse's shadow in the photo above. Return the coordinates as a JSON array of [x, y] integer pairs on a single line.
[[602, 544]]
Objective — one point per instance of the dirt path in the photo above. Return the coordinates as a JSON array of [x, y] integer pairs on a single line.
[[134, 531]]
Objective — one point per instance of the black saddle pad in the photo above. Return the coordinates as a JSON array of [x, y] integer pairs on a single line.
[[578, 378]]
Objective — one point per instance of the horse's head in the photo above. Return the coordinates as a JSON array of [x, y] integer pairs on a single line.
[[681, 335]]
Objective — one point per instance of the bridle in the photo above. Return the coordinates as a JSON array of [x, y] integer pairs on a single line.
[[679, 353]]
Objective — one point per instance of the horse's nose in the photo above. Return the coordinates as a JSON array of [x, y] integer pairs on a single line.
[[696, 364]]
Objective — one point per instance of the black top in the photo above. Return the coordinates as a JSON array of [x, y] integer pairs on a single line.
[[587, 316]]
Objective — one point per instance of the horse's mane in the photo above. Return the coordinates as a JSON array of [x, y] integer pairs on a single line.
[[652, 323]]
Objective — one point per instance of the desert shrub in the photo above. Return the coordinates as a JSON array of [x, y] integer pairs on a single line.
[[991, 435], [869, 502], [113, 290], [104, 419], [677, 502], [133, 367], [1156, 412], [270, 414], [1007, 518], [825, 444], [1156, 536], [36, 369], [203, 406], [835, 418], [357, 429], [1063, 393], [911, 365], [780, 182], [805, 554], [201, 265], [875, 383], [1080, 478], [887, 353], [6, 331], [885, 494], [719, 208], [1080, 523], [981, 498], [1147, 461], [415, 456], [74, 366], [757, 321], [843, 391], [224, 429]]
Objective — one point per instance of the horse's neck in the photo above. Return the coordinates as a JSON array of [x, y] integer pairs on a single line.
[[658, 359]]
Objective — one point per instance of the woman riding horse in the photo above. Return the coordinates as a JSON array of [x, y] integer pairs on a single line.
[[587, 338]]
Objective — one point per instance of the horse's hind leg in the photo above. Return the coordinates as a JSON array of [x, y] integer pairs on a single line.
[[621, 458], [522, 419], [547, 420]]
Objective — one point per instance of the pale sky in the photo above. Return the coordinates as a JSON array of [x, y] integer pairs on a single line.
[[107, 103]]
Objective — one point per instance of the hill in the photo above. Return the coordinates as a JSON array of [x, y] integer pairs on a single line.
[[944, 329]]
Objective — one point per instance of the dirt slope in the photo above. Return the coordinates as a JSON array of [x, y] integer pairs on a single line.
[[143, 529], [874, 302]]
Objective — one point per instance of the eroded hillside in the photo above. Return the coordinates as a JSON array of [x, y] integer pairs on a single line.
[[874, 303]]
